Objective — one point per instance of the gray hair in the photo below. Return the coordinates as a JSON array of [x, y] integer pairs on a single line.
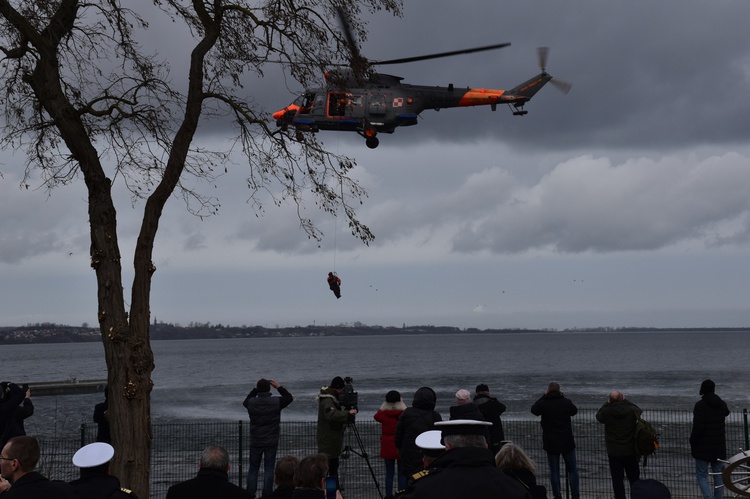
[[215, 458], [512, 457]]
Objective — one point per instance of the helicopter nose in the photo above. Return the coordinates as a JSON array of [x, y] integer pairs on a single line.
[[279, 114]]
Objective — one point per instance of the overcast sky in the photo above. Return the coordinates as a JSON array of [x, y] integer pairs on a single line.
[[623, 203]]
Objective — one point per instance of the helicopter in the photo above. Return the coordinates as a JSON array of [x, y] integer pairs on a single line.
[[380, 103]]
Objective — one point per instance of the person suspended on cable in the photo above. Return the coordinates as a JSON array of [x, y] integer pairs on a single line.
[[335, 284]]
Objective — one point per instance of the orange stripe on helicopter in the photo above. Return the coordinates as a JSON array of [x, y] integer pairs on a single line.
[[480, 96], [281, 112]]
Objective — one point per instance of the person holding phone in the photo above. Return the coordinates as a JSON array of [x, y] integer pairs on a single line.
[[311, 480]]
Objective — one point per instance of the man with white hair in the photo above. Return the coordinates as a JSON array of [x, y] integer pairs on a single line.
[[212, 481], [465, 408]]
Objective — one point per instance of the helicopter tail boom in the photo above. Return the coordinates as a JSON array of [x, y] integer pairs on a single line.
[[526, 90]]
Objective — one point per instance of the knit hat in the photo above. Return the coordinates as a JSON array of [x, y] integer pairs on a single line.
[[482, 388], [649, 489], [263, 385], [707, 386], [463, 397], [337, 382], [392, 397]]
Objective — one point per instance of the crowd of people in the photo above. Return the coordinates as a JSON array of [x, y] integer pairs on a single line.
[[424, 456]]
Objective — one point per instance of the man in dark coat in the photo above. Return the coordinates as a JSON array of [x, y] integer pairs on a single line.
[[707, 440], [619, 417], [418, 418], [491, 409], [101, 418], [212, 481], [557, 437], [95, 481], [18, 465], [265, 416], [11, 396], [465, 469], [23, 412]]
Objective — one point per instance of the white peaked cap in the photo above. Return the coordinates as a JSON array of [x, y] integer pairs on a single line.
[[430, 440], [92, 455]]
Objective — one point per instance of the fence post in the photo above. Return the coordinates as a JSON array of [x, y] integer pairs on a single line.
[[239, 432], [83, 433], [747, 435]]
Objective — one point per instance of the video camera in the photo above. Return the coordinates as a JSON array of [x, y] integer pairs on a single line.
[[348, 396]]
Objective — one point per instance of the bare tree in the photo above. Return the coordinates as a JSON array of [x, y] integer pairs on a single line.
[[87, 101]]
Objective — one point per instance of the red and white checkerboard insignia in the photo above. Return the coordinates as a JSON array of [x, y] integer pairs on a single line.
[[398, 102]]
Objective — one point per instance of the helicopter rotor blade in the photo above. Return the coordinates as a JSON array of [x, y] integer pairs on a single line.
[[439, 55], [542, 53], [562, 85], [356, 57]]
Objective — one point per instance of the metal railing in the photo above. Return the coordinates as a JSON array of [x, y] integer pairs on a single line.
[[176, 450]]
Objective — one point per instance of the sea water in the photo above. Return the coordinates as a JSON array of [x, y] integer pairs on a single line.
[[209, 379]]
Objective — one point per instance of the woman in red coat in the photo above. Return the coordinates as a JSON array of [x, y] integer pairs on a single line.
[[387, 416]]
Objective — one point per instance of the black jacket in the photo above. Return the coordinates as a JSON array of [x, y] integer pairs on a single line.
[[33, 485], [265, 416], [100, 486], [418, 418], [466, 411], [707, 439], [468, 472], [491, 410], [8, 405], [557, 431], [209, 484]]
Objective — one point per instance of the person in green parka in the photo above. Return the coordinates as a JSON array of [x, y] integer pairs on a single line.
[[331, 421]]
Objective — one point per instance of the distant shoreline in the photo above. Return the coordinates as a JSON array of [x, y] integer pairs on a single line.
[[56, 333]]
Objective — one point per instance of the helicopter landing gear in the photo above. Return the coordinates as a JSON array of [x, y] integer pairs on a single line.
[[520, 113], [299, 136], [371, 139]]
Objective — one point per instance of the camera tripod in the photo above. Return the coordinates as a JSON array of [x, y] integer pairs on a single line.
[[362, 453]]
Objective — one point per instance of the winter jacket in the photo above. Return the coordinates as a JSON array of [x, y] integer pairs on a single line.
[[557, 431], [387, 416], [265, 416], [707, 439], [331, 420], [418, 418], [491, 409], [33, 485], [8, 405], [100, 486], [619, 419], [208, 484], [466, 411]]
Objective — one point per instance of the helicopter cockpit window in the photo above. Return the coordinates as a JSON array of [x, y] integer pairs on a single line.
[[305, 103]]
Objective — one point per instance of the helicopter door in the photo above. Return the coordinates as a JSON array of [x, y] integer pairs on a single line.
[[337, 102]]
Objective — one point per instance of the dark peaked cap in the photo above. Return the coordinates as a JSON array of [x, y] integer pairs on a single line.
[[462, 427]]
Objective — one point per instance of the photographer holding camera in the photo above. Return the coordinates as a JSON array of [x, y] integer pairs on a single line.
[[333, 414], [11, 396]]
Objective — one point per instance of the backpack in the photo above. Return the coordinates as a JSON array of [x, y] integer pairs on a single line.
[[646, 439]]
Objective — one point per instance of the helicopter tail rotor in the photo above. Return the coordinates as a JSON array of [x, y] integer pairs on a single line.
[[562, 85]]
